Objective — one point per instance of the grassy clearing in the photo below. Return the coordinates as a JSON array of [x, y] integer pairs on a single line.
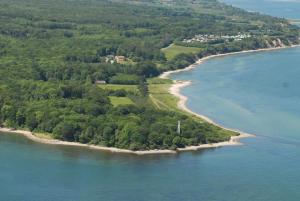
[[157, 80], [115, 87], [46, 136], [117, 101], [159, 95], [161, 98], [174, 50]]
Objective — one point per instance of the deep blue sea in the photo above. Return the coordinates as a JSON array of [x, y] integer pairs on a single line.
[[253, 92]]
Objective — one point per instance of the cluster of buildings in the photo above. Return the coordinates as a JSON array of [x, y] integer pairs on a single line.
[[204, 38], [112, 59]]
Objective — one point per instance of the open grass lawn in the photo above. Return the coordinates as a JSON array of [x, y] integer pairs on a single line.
[[161, 98], [116, 101], [157, 80], [159, 94], [114, 87], [174, 50], [47, 136]]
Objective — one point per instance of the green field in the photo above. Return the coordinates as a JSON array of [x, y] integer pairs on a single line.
[[174, 50], [117, 101], [161, 98], [158, 94], [115, 87], [157, 80], [47, 136]]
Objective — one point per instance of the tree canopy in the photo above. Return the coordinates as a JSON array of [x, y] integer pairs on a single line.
[[54, 52]]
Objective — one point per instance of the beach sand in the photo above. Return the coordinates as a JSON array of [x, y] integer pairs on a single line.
[[34, 138], [175, 90], [31, 136], [166, 74], [178, 85]]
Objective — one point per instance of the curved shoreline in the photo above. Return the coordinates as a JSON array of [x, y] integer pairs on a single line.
[[178, 85], [165, 75], [175, 90], [34, 138], [232, 142]]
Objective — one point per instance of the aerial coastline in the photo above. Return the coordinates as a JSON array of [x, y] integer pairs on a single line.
[[149, 100], [105, 90], [174, 90], [165, 75], [178, 85], [234, 141]]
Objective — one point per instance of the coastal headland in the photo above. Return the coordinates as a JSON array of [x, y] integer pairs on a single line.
[[174, 90], [234, 141], [92, 78]]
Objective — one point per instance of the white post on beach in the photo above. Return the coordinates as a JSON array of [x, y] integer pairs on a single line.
[[178, 127]]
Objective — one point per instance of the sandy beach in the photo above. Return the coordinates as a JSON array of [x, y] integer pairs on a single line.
[[34, 138], [166, 74], [175, 90], [31, 136], [178, 85]]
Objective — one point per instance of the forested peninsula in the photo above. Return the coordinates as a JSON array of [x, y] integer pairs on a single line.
[[86, 70]]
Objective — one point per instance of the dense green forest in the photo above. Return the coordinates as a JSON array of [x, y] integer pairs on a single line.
[[54, 54]]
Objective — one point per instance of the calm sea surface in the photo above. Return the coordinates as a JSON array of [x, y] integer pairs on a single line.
[[280, 8], [257, 93]]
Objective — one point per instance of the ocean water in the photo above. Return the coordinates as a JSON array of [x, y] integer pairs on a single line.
[[253, 92], [281, 8]]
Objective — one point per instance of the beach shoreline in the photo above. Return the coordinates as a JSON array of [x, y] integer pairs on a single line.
[[178, 85], [35, 138], [234, 141], [165, 75], [174, 90]]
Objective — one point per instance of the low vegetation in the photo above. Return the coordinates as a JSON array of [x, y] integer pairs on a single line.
[[120, 89], [161, 98], [174, 50], [118, 101]]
